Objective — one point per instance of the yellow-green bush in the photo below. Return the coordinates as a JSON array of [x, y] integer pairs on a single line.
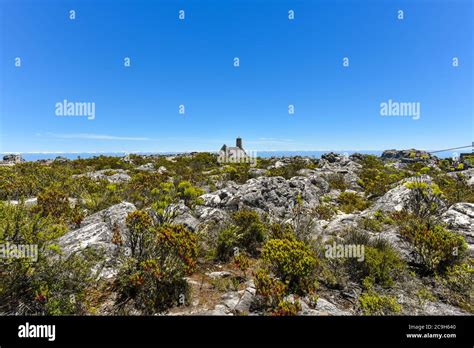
[[455, 188], [435, 247], [424, 199], [245, 233], [376, 178], [350, 202], [336, 181], [139, 234], [381, 263], [291, 169], [189, 193], [460, 281], [53, 202], [167, 193], [238, 172], [325, 211], [287, 308], [271, 290], [291, 261], [154, 276], [370, 224], [51, 284], [372, 303], [381, 266]]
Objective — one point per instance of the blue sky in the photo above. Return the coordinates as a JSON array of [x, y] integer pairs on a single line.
[[190, 62]]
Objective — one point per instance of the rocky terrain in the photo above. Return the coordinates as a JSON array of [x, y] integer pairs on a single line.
[[397, 206]]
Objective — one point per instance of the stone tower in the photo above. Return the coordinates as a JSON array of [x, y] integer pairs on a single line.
[[238, 143]]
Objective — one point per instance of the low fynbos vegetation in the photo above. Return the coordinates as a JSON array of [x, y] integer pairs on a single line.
[[459, 280], [435, 247], [44, 281], [167, 251], [325, 211], [350, 202], [289, 267], [291, 261], [455, 188], [161, 256], [289, 170], [377, 178], [372, 303], [246, 232], [381, 264], [337, 182], [424, 199]]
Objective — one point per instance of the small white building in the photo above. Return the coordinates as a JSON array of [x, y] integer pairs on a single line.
[[233, 154]]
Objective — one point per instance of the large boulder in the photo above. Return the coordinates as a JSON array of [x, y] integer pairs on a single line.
[[468, 174], [410, 156], [460, 218], [12, 159], [181, 214], [336, 164], [209, 214], [398, 198], [236, 302], [148, 167], [274, 195], [114, 176], [97, 232], [322, 308]]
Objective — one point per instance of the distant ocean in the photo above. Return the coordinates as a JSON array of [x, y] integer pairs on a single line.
[[263, 154]]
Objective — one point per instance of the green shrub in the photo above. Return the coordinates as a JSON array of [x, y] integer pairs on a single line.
[[227, 240], [154, 278], [370, 224], [424, 295], [381, 266], [61, 284], [169, 193], [140, 189], [97, 195], [238, 172], [424, 199], [281, 231], [383, 218], [51, 283], [435, 247], [377, 178], [189, 193], [287, 308], [336, 182], [139, 234], [292, 262], [29, 179], [251, 229], [381, 263], [455, 188], [372, 303], [460, 281], [324, 211], [350, 202], [246, 232], [271, 290], [53, 202], [333, 273], [291, 169]]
